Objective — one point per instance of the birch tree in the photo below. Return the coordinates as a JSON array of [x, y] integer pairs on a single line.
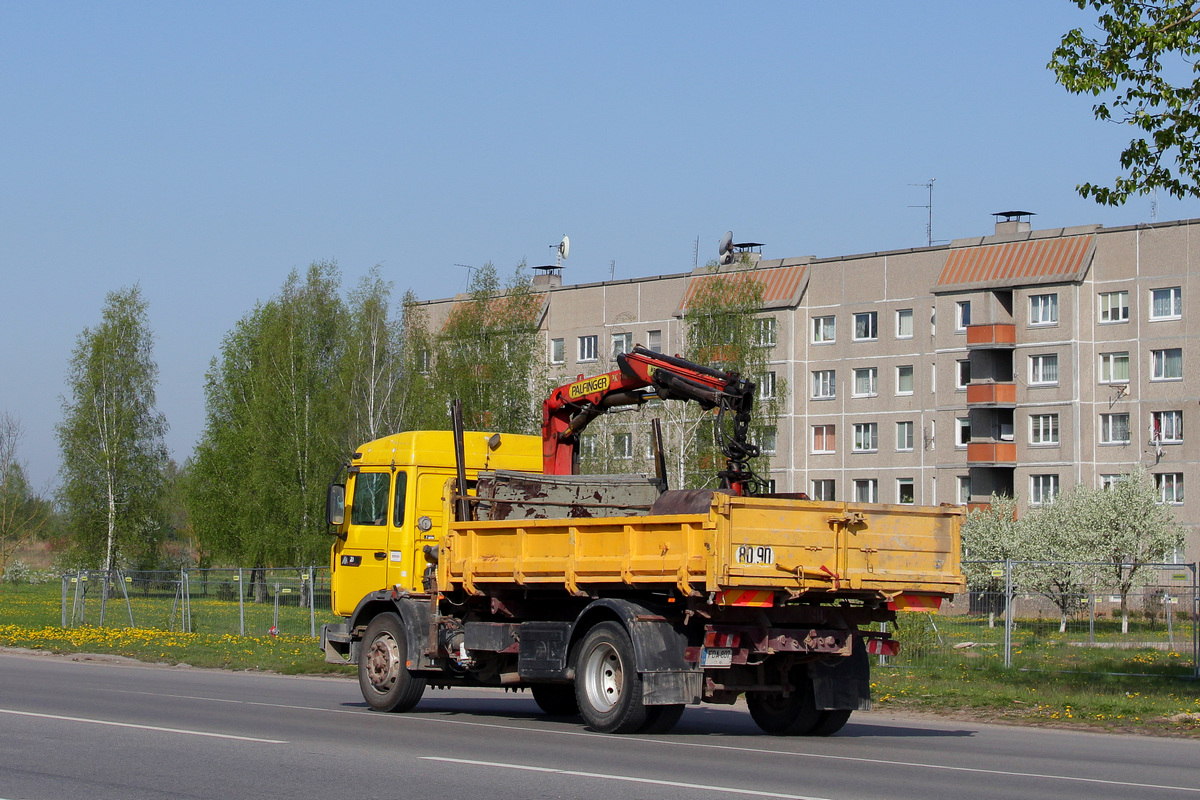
[[24, 514], [372, 363], [111, 438]]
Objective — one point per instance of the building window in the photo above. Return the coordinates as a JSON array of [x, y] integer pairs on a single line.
[[588, 445], [1166, 303], [1043, 429], [587, 348], [866, 490], [823, 439], [425, 362], [904, 379], [824, 330], [1043, 370], [1114, 306], [962, 315], [904, 323], [766, 386], [1166, 365], [1114, 429], [824, 384], [964, 490], [1042, 489], [1114, 367], [621, 343], [866, 381], [1167, 427], [1043, 309], [905, 491], [1109, 481], [764, 332], [962, 431], [764, 437], [622, 444], [654, 341], [866, 437], [904, 436], [1170, 487], [866, 326], [962, 374], [823, 489], [558, 351]]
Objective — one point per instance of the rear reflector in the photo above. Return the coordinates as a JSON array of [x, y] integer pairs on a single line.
[[883, 647], [916, 602], [746, 597]]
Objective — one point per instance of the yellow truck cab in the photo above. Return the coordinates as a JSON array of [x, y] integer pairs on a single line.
[[393, 505]]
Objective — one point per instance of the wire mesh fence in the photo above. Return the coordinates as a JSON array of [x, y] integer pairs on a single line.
[[244, 602], [1045, 615]]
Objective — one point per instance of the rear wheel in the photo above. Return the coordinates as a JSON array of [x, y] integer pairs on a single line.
[[830, 722], [793, 715], [607, 685], [383, 674], [556, 699], [660, 719]]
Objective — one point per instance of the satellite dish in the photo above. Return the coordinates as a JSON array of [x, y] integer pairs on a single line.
[[725, 251], [564, 247]]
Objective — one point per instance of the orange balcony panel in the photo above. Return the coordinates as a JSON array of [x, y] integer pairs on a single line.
[[992, 393], [991, 453], [979, 506], [999, 335]]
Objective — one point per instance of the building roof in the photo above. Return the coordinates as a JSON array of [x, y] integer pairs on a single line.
[[1028, 262], [782, 287]]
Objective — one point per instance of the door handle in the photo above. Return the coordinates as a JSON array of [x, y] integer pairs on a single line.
[[380, 556]]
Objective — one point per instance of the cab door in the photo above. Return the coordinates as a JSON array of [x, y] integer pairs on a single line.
[[363, 561]]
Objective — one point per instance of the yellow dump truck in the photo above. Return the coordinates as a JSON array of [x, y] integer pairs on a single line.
[[610, 598]]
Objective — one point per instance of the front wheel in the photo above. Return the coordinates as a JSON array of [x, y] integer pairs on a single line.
[[383, 674], [607, 685]]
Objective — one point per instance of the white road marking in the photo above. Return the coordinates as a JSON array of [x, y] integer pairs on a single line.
[[141, 727], [625, 778], [412, 717]]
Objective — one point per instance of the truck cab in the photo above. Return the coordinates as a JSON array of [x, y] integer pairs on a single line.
[[394, 505]]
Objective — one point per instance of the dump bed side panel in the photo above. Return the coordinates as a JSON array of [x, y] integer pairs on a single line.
[[742, 543]]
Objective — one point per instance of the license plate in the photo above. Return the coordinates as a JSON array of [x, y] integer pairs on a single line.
[[717, 657]]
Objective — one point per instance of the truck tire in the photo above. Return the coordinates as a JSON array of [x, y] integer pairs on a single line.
[[830, 722], [660, 719], [556, 699], [607, 685], [383, 675], [794, 715]]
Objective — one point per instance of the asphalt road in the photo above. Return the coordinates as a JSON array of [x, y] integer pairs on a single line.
[[99, 730]]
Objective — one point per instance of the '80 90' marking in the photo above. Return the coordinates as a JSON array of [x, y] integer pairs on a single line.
[[749, 554]]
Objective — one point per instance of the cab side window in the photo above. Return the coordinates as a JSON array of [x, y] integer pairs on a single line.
[[398, 511], [370, 498]]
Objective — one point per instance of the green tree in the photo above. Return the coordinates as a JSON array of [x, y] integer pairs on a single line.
[[1057, 534], [24, 514], [1143, 63], [372, 363], [990, 535], [276, 422], [111, 437]]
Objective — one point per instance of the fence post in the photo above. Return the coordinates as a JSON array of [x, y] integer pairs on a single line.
[[241, 605], [1008, 612], [64, 600], [1091, 617], [1196, 620], [312, 604]]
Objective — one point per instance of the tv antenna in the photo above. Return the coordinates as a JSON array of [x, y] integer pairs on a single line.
[[469, 270], [928, 207]]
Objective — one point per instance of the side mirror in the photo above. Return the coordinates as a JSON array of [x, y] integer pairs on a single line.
[[335, 504]]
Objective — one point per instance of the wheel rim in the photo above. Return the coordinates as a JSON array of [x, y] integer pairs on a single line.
[[383, 663], [603, 677]]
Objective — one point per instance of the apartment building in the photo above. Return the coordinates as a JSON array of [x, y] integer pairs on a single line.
[[1020, 362]]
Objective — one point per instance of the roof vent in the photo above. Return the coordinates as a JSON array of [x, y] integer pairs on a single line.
[[1012, 221]]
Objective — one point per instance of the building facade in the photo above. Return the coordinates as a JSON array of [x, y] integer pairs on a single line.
[[1021, 362]]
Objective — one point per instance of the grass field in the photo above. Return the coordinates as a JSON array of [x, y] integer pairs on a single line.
[[1053, 682]]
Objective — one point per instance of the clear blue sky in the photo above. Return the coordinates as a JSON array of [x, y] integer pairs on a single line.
[[205, 150]]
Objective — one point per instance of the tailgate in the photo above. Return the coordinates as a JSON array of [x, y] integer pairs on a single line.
[[804, 545]]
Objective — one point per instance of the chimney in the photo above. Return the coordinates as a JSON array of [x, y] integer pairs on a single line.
[[1012, 222]]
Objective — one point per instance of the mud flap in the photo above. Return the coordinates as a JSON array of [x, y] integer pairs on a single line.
[[841, 683], [671, 688]]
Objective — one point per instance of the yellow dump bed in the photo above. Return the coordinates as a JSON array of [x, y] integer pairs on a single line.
[[741, 543]]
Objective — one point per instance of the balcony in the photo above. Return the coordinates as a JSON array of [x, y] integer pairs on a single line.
[[991, 394], [998, 335], [983, 453]]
